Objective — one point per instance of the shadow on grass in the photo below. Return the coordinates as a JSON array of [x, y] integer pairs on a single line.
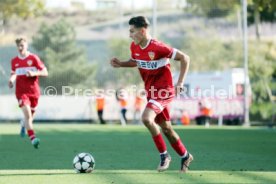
[[264, 177], [36, 174]]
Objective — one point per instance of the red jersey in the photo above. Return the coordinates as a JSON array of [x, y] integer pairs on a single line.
[[154, 67], [26, 85]]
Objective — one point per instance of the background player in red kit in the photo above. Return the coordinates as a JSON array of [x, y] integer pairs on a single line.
[[152, 59], [25, 70]]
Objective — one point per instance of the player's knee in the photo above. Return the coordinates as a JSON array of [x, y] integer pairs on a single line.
[[146, 120], [167, 130], [28, 117]]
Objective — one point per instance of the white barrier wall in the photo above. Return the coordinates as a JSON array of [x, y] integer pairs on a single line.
[[62, 108], [9, 107], [84, 108]]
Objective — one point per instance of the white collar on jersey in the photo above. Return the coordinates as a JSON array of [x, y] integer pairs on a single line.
[[21, 57], [146, 44]]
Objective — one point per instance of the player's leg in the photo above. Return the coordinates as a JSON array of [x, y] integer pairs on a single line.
[[31, 133], [174, 139], [148, 117], [26, 109], [100, 115], [33, 112], [34, 103], [22, 128], [124, 111], [23, 100], [122, 119], [134, 121]]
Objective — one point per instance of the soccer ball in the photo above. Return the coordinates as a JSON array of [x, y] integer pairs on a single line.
[[84, 163]]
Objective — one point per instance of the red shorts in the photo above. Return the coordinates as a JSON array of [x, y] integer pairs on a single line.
[[161, 108], [27, 100]]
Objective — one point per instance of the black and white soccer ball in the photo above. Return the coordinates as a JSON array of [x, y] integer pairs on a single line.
[[84, 163]]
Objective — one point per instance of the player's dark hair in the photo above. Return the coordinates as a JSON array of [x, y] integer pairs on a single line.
[[20, 39], [139, 22]]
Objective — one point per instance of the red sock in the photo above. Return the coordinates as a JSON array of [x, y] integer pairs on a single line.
[[160, 143], [179, 147], [31, 134]]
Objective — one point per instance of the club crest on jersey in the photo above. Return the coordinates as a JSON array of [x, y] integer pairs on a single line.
[[29, 62], [151, 55]]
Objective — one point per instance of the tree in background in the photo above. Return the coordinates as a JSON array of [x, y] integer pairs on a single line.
[[211, 53], [258, 10], [20, 8], [212, 8], [262, 68], [262, 54], [261, 11], [66, 62], [225, 54]]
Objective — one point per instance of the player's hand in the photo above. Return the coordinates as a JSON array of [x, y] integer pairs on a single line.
[[10, 84], [179, 88], [115, 62], [31, 74]]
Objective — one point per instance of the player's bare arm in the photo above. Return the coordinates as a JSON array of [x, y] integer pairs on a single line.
[[184, 66], [12, 79], [42, 73], [116, 63]]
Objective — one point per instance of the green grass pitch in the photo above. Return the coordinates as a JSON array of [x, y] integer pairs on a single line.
[[126, 155]]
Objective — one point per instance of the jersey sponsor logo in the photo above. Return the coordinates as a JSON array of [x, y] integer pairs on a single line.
[[151, 65], [16, 64], [151, 55], [24, 70], [136, 54], [29, 62]]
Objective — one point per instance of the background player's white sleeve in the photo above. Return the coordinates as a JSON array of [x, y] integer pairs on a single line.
[[174, 53]]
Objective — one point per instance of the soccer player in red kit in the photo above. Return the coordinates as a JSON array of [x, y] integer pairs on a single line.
[[25, 70], [152, 59]]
